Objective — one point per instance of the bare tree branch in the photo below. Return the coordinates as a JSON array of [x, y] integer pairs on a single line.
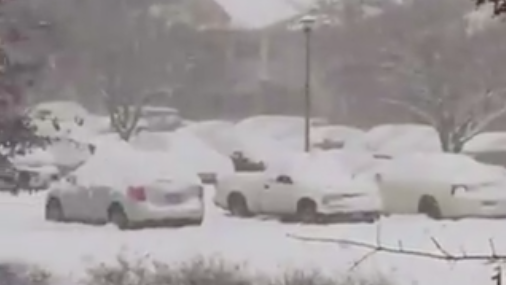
[[442, 255], [415, 110]]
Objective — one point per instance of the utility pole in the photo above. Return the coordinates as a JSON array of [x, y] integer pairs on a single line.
[[307, 25]]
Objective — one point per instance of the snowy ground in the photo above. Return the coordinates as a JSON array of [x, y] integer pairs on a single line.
[[68, 248]]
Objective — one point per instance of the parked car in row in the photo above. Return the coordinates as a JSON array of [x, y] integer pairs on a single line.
[[111, 188], [18, 174], [442, 186], [303, 190]]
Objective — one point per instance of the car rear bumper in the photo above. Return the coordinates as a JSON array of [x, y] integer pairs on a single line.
[[146, 213]]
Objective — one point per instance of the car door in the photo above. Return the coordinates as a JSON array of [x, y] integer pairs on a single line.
[[73, 198], [397, 192], [276, 195], [99, 200]]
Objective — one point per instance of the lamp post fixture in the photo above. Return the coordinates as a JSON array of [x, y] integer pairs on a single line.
[[307, 22]]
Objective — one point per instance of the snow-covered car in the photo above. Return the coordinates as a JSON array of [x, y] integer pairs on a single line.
[[307, 190], [128, 188], [155, 118], [32, 171], [442, 186]]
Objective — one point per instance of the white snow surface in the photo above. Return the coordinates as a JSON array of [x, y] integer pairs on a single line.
[[263, 245], [336, 133], [399, 139], [485, 142]]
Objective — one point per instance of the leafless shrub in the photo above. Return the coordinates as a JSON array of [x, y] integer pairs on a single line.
[[302, 277], [202, 271], [22, 274]]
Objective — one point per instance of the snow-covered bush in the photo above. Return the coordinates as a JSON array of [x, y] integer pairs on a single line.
[[22, 274], [208, 272]]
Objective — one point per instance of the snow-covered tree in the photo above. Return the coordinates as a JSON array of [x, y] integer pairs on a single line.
[[443, 75], [419, 61], [21, 60], [499, 6]]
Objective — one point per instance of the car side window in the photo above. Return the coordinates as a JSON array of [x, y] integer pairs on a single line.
[[284, 179]]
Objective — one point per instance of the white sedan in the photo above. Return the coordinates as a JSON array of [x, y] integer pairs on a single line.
[[112, 187], [308, 198], [442, 186]]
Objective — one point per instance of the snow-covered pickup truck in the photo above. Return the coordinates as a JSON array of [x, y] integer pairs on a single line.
[[292, 196]]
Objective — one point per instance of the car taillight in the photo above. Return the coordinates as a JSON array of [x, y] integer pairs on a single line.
[[137, 193]]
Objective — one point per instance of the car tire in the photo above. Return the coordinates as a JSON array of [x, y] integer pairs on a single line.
[[306, 212], [238, 206], [196, 223], [372, 219], [54, 211], [430, 207], [118, 217]]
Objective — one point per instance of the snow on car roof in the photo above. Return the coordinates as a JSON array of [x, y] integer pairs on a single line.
[[118, 164], [455, 168]]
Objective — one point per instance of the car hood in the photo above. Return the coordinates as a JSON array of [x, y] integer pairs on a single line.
[[348, 186]]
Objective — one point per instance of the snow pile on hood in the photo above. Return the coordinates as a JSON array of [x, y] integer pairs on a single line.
[[217, 134], [452, 168], [327, 170], [118, 164], [486, 142], [399, 139]]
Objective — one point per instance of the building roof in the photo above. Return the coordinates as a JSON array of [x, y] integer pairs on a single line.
[[258, 14]]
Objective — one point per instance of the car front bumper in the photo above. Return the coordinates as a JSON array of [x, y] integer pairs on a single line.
[[481, 209]]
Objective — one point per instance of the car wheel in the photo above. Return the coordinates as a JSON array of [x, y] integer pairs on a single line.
[[371, 219], [430, 207], [238, 206], [54, 211], [118, 217], [197, 223], [306, 212]]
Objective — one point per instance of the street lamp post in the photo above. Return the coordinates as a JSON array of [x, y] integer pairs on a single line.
[[307, 27]]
